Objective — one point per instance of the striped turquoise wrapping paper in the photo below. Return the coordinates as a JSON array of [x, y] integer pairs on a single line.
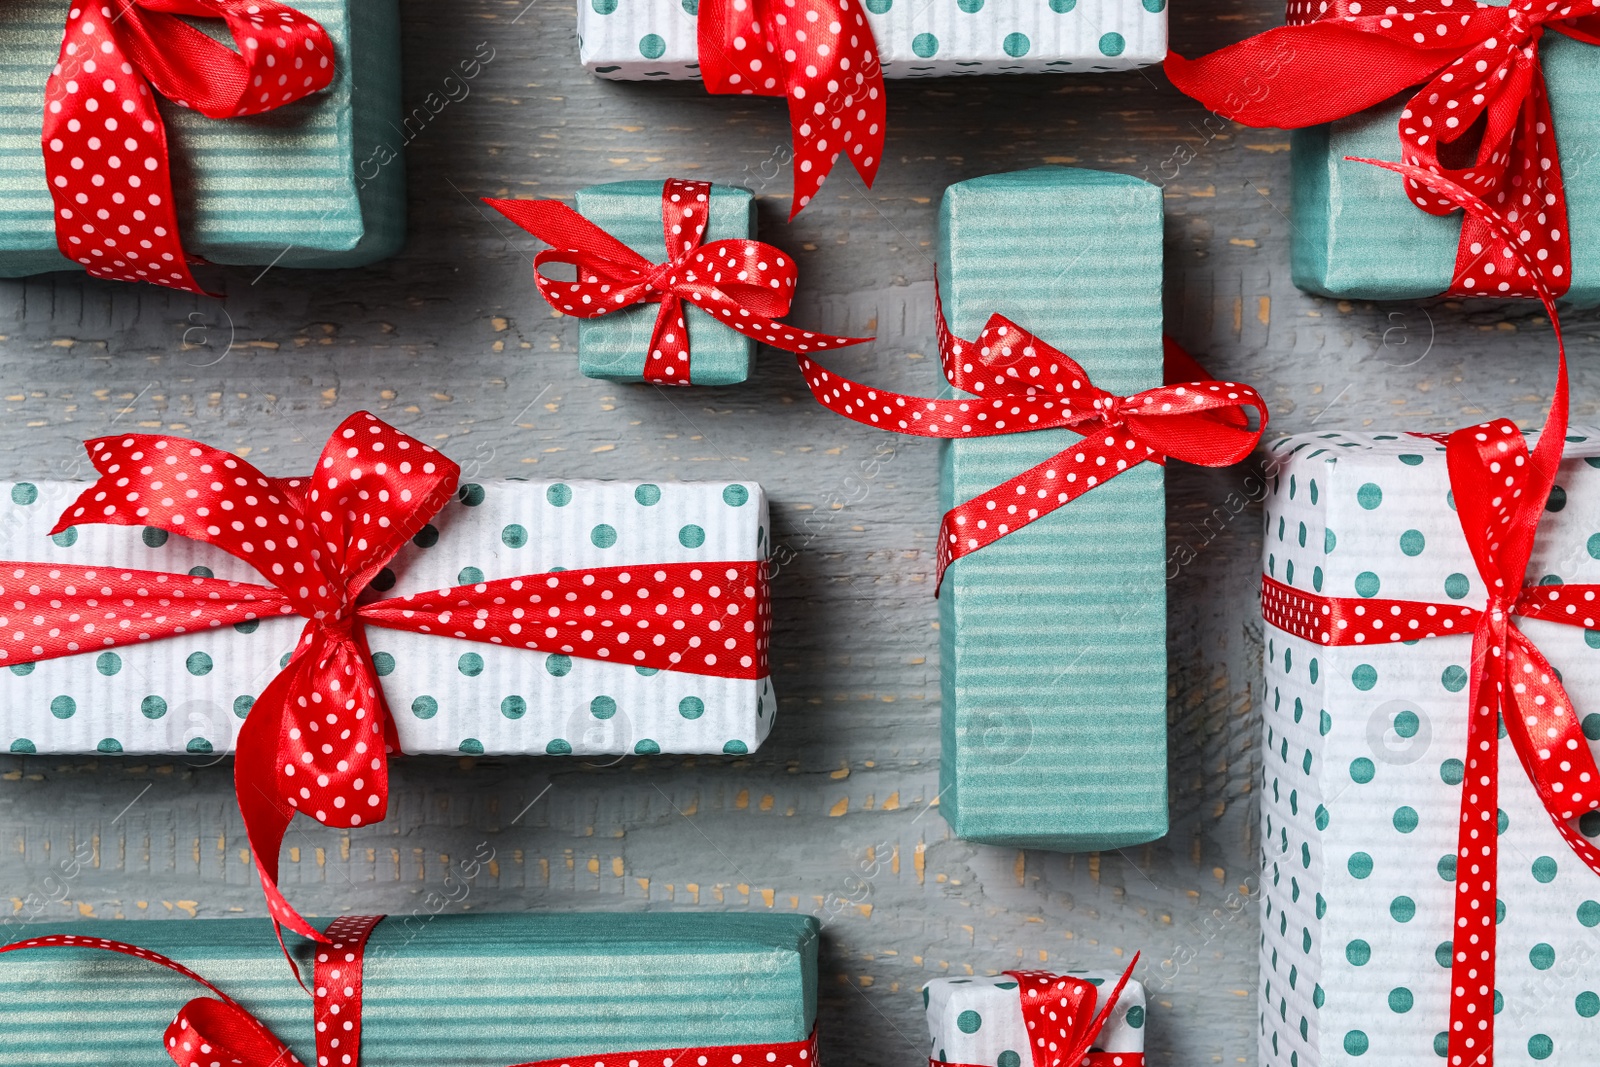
[[464, 990], [1053, 639], [319, 183]]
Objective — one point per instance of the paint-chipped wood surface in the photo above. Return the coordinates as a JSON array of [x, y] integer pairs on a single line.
[[832, 816]]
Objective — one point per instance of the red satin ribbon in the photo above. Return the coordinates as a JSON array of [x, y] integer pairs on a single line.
[[105, 146], [1481, 120], [820, 55], [1026, 385], [220, 1031], [1500, 489], [1058, 1012], [315, 740], [744, 285]]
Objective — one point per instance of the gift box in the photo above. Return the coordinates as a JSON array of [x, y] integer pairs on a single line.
[[315, 183], [979, 1021], [190, 694], [615, 347], [1053, 647], [1364, 752], [645, 40], [474, 990]]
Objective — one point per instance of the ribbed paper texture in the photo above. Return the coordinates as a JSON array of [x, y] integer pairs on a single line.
[[1361, 784], [978, 1020], [1356, 234], [649, 40], [1054, 655], [614, 347], [469, 991], [189, 693], [300, 182]]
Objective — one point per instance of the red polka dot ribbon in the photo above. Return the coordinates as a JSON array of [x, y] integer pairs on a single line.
[[214, 1032], [1481, 118], [1058, 1011], [744, 285], [819, 55], [1500, 488], [316, 739], [1023, 385], [105, 146]]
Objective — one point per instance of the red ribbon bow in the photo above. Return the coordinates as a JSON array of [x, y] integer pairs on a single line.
[[217, 1031], [818, 54], [1482, 121], [316, 738], [1058, 1013], [744, 285], [1025, 385], [1500, 489], [105, 146]]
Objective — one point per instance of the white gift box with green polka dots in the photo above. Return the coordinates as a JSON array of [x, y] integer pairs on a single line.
[[188, 694], [656, 40], [978, 1020], [1363, 767]]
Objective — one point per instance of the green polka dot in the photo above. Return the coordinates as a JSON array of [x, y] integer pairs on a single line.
[[1594, 545], [426, 537], [651, 46], [152, 707], [1442, 953], [736, 496], [1447, 867], [248, 626], [1016, 45], [1359, 865], [1367, 584], [691, 707], [968, 1022], [63, 707], [1544, 870], [1135, 1017], [383, 663], [424, 707], [1061, 7], [1008, 1058], [23, 747], [1324, 722], [736, 748], [1329, 542], [1457, 586], [648, 671], [1503, 820], [24, 493], [108, 663], [1557, 500], [22, 669], [558, 665], [560, 495], [109, 745], [471, 746], [925, 45], [1316, 579], [1400, 1000], [691, 7], [471, 494], [1451, 771], [1588, 1004], [1321, 817], [470, 664], [198, 745], [1539, 1045], [513, 707], [1454, 678], [201, 572], [603, 7], [649, 494], [154, 536], [1369, 496], [515, 535], [1364, 677], [1406, 723], [1112, 44], [1441, 1044], [1409, 460], [1542, 956], [1355, 1042], [384, 581], [646, 747], [1405, 818], [602, 707], [1155, 7], [558, 747], [469, 576], [971, 7], [691, 536], [1358, 952], [1589, 913], [242, 705], [1402, 909], [1589, 824], [1412, 542], [603, 536], [1592, 638], [66, 538], [1362, 770]]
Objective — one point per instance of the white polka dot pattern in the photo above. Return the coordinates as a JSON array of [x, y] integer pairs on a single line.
[[336, 990], [784, 1054], [105, 147], [744, 285], [1023, 385], [1058, 1011], [819, 55]]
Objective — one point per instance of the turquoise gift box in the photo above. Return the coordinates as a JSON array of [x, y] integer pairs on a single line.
[[613, 347], [1054, 638], [318, 183], [467, 990], [1357, 236]]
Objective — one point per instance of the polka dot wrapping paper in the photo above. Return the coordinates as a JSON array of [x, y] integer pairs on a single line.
[[319, 182], [190, 694], [474, 990], [1364, 766], [647, 40], [978, 1021]]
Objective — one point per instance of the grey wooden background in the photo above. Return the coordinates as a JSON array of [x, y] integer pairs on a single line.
[[831, 817]]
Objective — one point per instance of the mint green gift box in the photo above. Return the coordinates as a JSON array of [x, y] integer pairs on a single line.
[[614, 347], [467, 990], [1054, 638], [1356, 234], [318, 183]]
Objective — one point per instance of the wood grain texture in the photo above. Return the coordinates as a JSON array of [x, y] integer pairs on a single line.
[[450, 342]]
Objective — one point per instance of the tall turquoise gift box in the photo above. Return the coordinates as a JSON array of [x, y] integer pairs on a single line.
[[319, 182], [467, 990], [1053, 639]]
